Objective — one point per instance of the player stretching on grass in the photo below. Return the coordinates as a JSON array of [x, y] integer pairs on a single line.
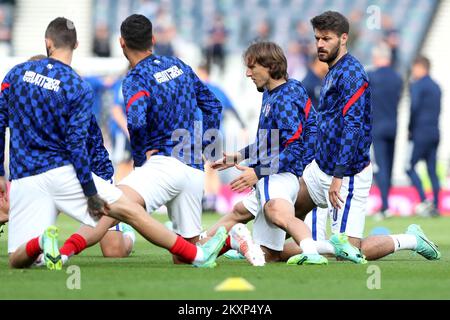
[[47, 107], [163, 98], [275, 168], [286, 107], [341, 169]]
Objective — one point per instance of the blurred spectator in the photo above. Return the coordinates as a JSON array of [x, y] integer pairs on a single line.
[[305, 41], [163, 45], [356, 27], [212, 180], [296, 61], [386, 86], [392, 37], [120, 138], [424, 132], [5, 33], [99, 86], [215, 48], [102, 42], [313, 80], [263, 32], [164, 31]]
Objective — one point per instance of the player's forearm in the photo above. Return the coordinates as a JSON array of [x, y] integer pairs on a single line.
[[81, 163]]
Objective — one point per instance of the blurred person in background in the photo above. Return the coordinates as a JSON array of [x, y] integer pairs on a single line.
[[102, 43], [164, 35], [392, 37], [424, 132], [120, 138], [387, 87], [313, 80], [212, 179], [263, 32], [215, 48], [296, 61]]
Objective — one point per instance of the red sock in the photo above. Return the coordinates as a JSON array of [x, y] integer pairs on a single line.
[[186, 250], [74, 245], [226, 246], [33, 249]]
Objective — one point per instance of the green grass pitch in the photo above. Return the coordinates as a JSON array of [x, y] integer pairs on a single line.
[[149, 273]]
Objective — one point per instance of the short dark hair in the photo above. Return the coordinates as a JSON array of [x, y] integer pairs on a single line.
[[37, 57], [137, 32], [424, 61], [62, 32], [269, 55], [333, 21]]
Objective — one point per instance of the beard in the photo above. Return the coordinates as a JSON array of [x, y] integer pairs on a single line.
[[260, 89], [332, 55]]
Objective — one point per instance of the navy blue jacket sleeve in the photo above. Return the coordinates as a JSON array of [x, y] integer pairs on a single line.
[[353, 96], [136, 96], [3, 120], [209, 105], [76, 137], [101, 164]]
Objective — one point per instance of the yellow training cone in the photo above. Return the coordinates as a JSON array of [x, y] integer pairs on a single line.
[[235, 284]]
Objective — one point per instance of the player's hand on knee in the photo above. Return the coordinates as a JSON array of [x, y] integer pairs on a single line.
[[246, 180], [97, 207], [334, 193]]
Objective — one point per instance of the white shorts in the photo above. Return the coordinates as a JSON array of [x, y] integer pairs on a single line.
[[167, 181], [277, 186], [316, 220], [354, 191], [36, 201]]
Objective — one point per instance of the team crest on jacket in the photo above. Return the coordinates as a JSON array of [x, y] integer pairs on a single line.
[[266, 109]]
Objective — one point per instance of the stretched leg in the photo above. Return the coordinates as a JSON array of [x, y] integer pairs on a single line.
[[281, 213], [156, 233], [239, 214], [377, 247], [85, 237], [303, 203]]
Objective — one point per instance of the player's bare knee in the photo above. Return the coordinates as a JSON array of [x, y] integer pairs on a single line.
[[14, 262], [240, 214], [273, 211], [114, 251], [124, 209], [271, 255]]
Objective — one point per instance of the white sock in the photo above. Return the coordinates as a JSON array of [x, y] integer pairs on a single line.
[[404, 241], [324, 247], [64, 259], [130, 234], [199, 257], [203, 235], [308, 246]]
